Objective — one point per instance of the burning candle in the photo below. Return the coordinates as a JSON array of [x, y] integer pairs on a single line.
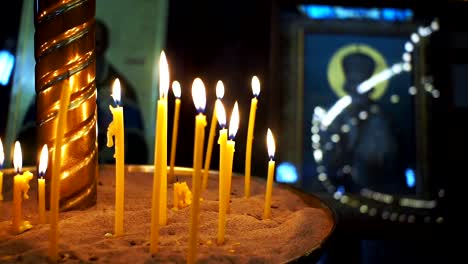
[[159, 200], [209, 149], [199, 99], [250, 133], [177, 93], [55, 180], [116, 130], [20, 192], [271, 171], [2, 159], [43, 160], [233, 127], [222, 141]]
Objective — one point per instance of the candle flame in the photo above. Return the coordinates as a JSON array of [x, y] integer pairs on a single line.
[[43, 160], [220, 113], [234, 123], [116, 91], [199, 95], [271, 144], [176, 89], [17, 157], [163, 75], [2, 154], [255, 86], [219, 90]]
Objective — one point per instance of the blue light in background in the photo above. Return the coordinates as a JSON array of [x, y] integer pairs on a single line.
[[410, 178], [341, 190], [7, 60], [286, 172], [339, 12]]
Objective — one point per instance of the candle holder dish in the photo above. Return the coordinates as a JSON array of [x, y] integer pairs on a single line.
[[298, 232]]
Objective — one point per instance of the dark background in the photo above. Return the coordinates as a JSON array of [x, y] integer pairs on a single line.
[[232, 40]]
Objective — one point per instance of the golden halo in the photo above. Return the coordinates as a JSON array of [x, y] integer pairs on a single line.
[[336, 76]]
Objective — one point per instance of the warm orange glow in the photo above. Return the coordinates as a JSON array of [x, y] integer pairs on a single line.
[[199, 95], [219, 90], [43, 160], [221, 113], [116, 91], [163, 75], [234, 123], [271, 144], [17, 157], [2, 154], [176, 89], [255, 86]]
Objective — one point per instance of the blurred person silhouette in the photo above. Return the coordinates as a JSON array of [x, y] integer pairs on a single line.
[[365, 155], [136, 150]]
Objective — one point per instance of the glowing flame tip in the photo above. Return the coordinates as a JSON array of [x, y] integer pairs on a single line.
[[43, 160], [219, 90], [255, 86], [2, 154], [199, 95], [271, 144], [221, 114], [116, 91], [176, 89], [163, 75], [234, 123], [17, 157]]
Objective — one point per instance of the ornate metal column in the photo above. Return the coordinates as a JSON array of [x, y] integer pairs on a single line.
[[64, 47]]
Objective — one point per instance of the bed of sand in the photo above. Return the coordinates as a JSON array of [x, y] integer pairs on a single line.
[[297, 227]]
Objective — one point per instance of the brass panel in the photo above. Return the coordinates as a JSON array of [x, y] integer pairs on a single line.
[[64, 49]]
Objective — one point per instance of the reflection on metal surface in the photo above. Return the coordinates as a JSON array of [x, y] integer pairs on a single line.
[[64, 48]]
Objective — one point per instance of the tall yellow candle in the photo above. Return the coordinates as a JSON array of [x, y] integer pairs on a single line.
[[233, 127], [250, 133], [116, 131], [199, 99], [160, 164], [55, 178], [164, 83], [177, 93], [20, 192], [209, 148], [271, 172], [2, 159], [43, 160], [222, 141]]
